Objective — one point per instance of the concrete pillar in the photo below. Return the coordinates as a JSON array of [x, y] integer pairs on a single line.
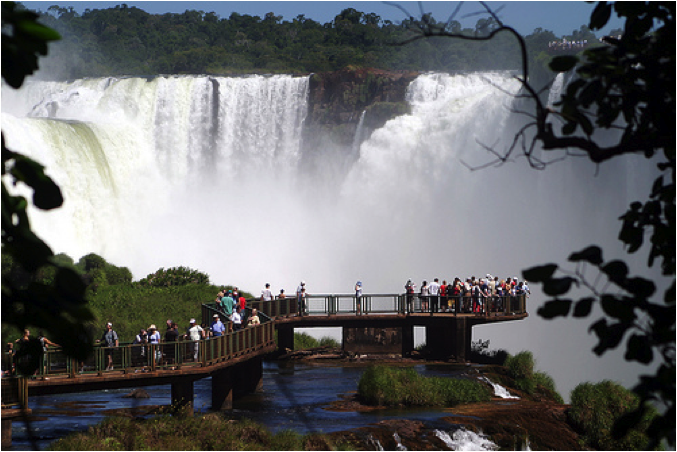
[[407, 340], [222, 390], [449, 337], [285, 338], [182, 397], [249, 376]]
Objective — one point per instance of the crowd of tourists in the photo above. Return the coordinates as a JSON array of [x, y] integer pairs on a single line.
[[472, 295], [478, 295]]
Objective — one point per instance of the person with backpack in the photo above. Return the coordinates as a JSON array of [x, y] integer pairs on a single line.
[[109, 340]]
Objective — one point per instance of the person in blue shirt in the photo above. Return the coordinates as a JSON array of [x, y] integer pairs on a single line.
[[218, 328]]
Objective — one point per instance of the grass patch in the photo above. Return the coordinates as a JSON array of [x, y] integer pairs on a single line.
[[595, 408], [206, 432], [381, 385]]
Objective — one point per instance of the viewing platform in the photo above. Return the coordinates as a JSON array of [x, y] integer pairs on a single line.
[[383, 324]]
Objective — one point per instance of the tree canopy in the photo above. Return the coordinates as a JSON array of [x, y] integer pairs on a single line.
[[129, 41]]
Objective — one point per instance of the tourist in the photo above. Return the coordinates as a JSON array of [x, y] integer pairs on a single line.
[[155, 339], [227, 304], [235, 293], [45, 344], [195, 333], [282, 295], [434, 291], [444, 300], [243, 302], [254, 318], [299, 298], [171, 337], [266, 294], [219, 296], [110, 340], [218, 328], [139, 353], [236, 319], [304, 301], [358, 298], [424, 295], [409, 289]]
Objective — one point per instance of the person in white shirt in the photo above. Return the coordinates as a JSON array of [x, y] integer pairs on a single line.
[[236, 319], [195, 333], [266, 294], [434, 290]]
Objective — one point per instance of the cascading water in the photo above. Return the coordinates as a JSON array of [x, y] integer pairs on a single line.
[[207, 172]]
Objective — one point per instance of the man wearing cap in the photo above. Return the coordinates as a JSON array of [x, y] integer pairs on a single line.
[[195, 333], [218, 328], [109, 339]]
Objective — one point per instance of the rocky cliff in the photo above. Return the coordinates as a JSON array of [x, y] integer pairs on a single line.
[[338, 99]]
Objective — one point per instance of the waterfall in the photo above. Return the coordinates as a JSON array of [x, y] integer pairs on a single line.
[[463, 439], [359, 132], [499, 391], [206, 172]]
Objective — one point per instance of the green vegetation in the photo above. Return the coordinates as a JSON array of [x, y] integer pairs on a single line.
[[380, 385], [179, 276], [112, 296], [206, 432], [520, 368], [596, 407], [304, 341], [129, 41]]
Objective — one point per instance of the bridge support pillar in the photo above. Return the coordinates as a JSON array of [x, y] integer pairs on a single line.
[[222, 390], [250, 377], [285, 338], [448, 338], [407, 340], [182, 397]]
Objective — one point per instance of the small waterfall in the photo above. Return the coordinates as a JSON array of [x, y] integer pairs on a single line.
[[463, 439], [359, 131], [398, 442], [499, 391]]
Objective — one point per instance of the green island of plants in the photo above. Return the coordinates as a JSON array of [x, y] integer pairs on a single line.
[[390, 386], [203, 432]]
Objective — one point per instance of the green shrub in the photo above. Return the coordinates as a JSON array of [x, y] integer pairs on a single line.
[[547, 383], [327, 341], [303, 341], [381, 385], [521, 370], [206, 432], [596, 407], [175, 276]]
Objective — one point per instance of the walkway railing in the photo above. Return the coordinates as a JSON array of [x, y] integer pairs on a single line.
[[334, 304], [134, 358]]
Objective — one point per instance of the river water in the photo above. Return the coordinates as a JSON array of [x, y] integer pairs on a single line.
[[295, 396]]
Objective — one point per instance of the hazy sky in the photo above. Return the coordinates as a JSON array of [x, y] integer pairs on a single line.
[[560, 17]]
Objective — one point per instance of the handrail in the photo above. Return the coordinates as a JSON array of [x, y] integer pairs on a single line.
[[135, 358]]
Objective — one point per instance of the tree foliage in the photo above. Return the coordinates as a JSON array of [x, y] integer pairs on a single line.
[[176, 276], [596, 407], [56, 306], [622, 101], [129, 41]]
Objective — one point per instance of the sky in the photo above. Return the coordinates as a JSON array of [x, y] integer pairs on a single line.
[[560, 17]]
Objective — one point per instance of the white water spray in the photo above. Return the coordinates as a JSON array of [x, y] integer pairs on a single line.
[[207, 172]]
